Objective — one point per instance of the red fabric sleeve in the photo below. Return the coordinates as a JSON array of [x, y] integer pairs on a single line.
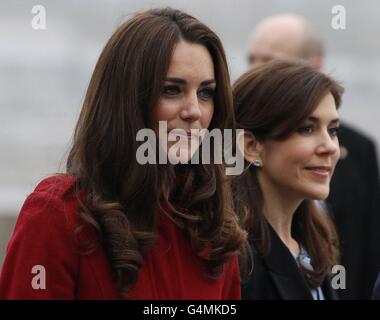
[[231, 288], [41, 238]]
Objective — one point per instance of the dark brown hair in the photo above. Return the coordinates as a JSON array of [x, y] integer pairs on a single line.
[[123, 197], [272, 101]]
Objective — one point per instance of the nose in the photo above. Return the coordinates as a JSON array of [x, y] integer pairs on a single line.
[[328, 144], [191, 110]]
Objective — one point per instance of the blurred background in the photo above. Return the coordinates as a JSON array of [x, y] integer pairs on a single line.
[[44, 73]]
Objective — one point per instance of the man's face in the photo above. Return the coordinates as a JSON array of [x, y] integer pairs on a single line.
[[267, 46]]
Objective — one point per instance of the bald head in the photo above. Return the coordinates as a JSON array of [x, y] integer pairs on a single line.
[[286, 37]]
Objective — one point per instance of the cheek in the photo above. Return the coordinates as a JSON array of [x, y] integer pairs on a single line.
[[164, 111], [299, 152], [206, 117], [290, 156]]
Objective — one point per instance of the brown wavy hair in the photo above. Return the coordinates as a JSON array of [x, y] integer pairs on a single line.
[[272, 101], [123, 197]]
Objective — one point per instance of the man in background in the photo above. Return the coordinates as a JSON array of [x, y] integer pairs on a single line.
[[354, 200]]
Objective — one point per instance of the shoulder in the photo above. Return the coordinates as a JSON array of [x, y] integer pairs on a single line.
[[57, 186], [361, 153], [53, 203], [376, 289], [259, 285], [44, 236], [48, 219], [353, 137]]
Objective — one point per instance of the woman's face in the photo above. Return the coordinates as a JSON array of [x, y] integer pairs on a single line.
[[186, 101], [303, 164]]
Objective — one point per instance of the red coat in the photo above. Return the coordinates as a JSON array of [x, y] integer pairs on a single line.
[[44, 236]]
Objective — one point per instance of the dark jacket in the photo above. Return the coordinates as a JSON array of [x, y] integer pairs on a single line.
[[277, 276], [376, 289], [354, 203]]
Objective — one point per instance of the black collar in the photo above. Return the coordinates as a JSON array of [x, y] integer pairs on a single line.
[[286, 275]]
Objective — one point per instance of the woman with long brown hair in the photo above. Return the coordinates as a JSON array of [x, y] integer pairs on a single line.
[[111, 227], [290, 121]]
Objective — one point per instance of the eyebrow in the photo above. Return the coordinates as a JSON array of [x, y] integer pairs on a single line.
[[315, 119], [182, 81]]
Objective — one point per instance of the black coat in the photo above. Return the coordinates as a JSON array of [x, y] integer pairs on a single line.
[[354, 203], [376, 289], [278, 277]]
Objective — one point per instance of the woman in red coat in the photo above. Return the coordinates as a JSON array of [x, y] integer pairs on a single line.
[[111, 227]]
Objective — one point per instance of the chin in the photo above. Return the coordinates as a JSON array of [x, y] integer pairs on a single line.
[[183, 157], [178, 160], [320, 194], [182, 152]]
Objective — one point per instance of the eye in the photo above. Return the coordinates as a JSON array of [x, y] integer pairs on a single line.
[[334, 131], [307, 129], [206, 93], [171, 90]]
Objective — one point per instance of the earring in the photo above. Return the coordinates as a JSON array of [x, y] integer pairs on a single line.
[[257, 163]]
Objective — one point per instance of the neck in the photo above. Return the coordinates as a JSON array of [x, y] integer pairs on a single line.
[[279, 207]]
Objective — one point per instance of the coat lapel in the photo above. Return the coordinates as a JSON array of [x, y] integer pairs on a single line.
[[284, 271], [328, 291]]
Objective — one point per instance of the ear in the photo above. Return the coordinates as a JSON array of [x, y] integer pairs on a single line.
[[249, 146]]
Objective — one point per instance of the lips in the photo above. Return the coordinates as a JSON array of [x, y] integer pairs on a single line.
[[187, 136], [322, 171]]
